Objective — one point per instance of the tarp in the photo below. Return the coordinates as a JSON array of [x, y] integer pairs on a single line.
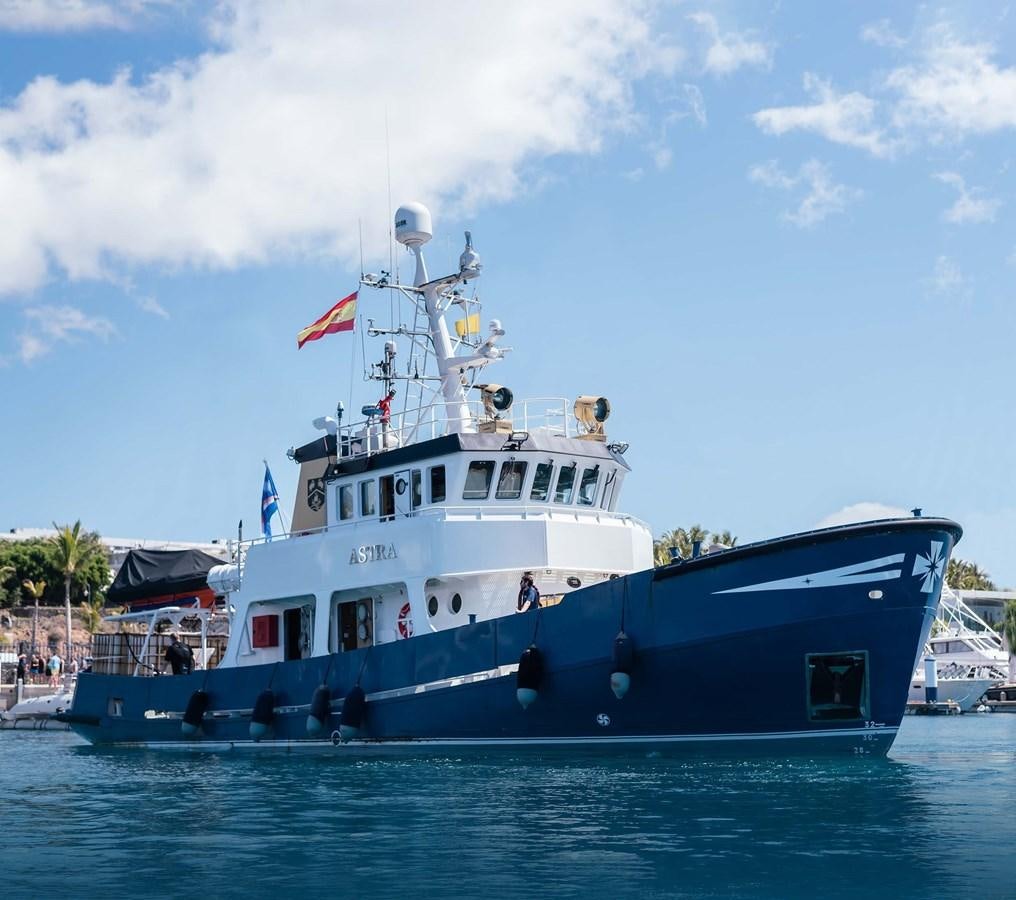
[[151, 573]]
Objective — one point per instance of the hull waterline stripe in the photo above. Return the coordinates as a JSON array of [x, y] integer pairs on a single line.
[[880, 731]]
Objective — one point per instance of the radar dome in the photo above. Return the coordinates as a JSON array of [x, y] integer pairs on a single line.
[[412, 224]]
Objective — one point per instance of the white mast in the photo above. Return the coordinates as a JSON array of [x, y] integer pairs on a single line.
[[413, 229]]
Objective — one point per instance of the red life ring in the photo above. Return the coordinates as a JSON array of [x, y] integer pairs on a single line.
[[405, 622]]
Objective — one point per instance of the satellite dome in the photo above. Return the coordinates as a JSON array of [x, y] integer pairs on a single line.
[[412, 224]]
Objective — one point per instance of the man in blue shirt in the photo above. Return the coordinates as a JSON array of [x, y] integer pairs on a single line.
[[529, 596]]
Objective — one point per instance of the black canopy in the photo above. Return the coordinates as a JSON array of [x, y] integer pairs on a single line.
[[151, 573]]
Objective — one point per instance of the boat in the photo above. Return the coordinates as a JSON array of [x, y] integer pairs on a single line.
[[42, 713], [968, 654], [387, 616]]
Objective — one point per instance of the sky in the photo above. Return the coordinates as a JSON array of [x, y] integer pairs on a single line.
[[778, 236]]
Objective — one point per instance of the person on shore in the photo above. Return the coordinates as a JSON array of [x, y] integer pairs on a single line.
[[54, 665], [36, 668], [22, 675], [179, 656], [529, 596]]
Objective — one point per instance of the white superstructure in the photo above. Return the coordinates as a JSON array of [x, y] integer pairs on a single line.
[[426, 518]]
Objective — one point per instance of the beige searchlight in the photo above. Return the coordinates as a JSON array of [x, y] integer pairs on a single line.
[[497, 400], [591, 413]]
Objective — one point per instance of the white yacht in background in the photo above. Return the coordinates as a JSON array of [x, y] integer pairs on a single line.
[[970, 656]]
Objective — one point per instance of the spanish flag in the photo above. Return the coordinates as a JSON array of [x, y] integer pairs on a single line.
[[341, 317]]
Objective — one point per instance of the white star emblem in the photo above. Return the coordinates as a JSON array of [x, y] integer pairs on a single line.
[[930, 567]]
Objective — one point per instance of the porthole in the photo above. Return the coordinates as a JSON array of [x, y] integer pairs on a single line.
[[574, 582], [400, 486], [455, 604], [432, 605]]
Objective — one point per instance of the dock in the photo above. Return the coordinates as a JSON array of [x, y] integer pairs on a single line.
[[933, 708]]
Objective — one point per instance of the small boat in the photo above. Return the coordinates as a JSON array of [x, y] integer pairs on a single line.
[[969, 656], [460, 573], [39, 713]]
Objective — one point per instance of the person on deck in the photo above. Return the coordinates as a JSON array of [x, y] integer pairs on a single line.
[[529, 596], [385, 405], [54, 665], [179, 656]]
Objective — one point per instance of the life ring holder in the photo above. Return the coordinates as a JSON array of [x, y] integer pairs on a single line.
[[405, 621]]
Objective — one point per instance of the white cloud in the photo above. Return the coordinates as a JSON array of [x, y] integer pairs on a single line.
[[970, 207], [866, 511], [273, 144], [151, 305], [842, 118], [50, 325], [951, 88], [823, 197], [59, 15], [948, 279], [635, 174], [882, 34], [730, 50], [955, 87]]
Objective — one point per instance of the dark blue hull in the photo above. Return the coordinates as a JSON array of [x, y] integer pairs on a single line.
[[802, 644]]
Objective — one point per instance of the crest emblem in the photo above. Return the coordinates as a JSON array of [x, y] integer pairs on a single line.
[[315, 493], [930, 567]]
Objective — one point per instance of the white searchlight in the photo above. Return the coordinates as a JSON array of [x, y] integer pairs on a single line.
[[591, 412]]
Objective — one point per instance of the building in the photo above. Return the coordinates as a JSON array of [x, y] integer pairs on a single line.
[[989, 605]]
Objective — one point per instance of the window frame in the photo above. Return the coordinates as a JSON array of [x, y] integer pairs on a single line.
[[370, 483], [595, 469], [345, 490], [507, 467], [431, 472], [558, 497], [549, 490], [490, 467]]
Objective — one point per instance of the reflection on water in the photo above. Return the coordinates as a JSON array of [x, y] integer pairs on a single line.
[[937, 819]]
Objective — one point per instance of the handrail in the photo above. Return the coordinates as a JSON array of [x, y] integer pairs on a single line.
[[372, 435]]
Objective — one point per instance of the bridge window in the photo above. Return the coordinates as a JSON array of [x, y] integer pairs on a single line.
[[368, 501], [387, 483], [346, 501], [541, 482], [478, 478], [565, 484], [587, 486], [417, 479], [437, 484], [509, 485]]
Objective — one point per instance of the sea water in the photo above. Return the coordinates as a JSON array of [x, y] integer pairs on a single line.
[[936, 819]]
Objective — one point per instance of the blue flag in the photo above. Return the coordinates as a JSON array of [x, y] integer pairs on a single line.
[[269, 503]]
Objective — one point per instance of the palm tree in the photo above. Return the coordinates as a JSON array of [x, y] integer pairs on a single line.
[[71, 551], [683, 541], [967, 576], [725, 538], [91, 612], [1009, 629], [35, 590]]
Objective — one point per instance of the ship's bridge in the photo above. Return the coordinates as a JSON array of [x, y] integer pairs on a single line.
[[432, 534]]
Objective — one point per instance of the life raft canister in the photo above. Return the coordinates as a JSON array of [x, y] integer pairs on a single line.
[[354, 711], [262, 715], [320, 710], [194, 714], [405, 621], [530, 674]]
